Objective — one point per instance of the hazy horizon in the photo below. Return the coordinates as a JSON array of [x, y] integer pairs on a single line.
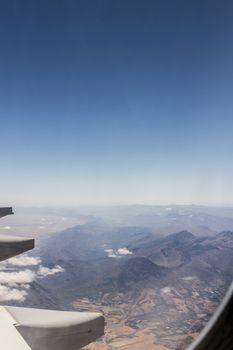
[[16, 206], [109, 205]]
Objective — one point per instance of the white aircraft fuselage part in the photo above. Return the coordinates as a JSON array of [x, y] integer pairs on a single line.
[[10, 339]]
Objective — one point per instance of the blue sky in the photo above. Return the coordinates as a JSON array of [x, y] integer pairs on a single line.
[[116, 101]]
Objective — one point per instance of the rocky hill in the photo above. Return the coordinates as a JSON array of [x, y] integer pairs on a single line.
[[164, 288]]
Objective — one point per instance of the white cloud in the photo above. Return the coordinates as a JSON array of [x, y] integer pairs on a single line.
[[6, 228], [7, 294], [17, 277], [166, 290], [124, 251], [113, 256], [24, 261], [25, 286], [2, 265], [117, 254], [111, 253], [14, 285], [46, 271], [189, 278]]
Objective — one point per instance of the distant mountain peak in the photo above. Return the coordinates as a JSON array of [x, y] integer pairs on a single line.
[[228, 234], [181, 236], [138, 269]]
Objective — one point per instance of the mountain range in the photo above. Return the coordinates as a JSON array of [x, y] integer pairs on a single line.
[[153, 288]]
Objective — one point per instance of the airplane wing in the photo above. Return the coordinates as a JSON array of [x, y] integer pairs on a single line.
[[56, 330], [35, 329], [13, 245], [5, 211], [9, 337]]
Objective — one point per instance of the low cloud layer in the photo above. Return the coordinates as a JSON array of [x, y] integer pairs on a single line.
[[189, 278], [15, 281], [9, 294], [45, 271], [24, 261], [18, 277], [166, 290], [110, 253], [124, 251], [118, 253]]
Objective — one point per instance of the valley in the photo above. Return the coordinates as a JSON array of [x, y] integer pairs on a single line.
[[156, 291]]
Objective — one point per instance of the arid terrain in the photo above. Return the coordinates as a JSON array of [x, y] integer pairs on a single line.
[[156, 291]]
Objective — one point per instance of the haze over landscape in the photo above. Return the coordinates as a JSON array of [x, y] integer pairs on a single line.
[[157, 273], [116, 139]]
